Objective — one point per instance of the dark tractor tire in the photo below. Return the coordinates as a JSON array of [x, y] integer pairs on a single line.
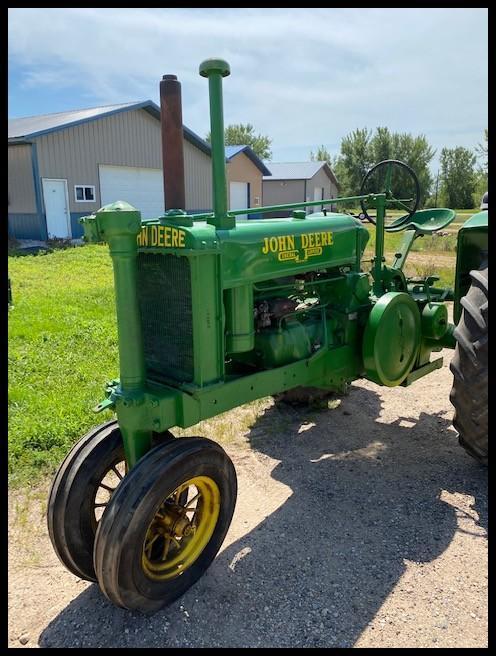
[[149, 549], [73, 507], [469, 368]]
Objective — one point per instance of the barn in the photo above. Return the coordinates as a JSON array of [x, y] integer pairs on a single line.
[[63, 166], [245, 171], [298, 182]]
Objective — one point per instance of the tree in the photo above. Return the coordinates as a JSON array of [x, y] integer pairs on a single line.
[[335, 164], [361, 149], [354, 160], [480, 188], [458, 177], [382, 145], [483, 149], [322, 155], [244, 134], [413, 150], [481, 183]]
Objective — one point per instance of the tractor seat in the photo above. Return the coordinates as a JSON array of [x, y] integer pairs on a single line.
[[424, 222]]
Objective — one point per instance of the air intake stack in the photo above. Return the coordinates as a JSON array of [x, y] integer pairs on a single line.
[[215, 70]]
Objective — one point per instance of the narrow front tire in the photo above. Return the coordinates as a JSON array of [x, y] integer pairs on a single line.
[[165, 523]]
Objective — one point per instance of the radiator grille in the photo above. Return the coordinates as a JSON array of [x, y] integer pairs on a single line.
[[164, 289]]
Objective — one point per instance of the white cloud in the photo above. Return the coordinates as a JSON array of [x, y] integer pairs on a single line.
[[303, 76]]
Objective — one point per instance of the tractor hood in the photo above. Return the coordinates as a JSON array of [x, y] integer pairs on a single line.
[[267, 248]]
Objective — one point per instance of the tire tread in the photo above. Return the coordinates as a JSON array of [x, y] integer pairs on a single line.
[[470, 369]]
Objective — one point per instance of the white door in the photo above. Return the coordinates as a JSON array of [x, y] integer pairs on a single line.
[[318, 194], [238, 198], [57, 208], [142, 188]]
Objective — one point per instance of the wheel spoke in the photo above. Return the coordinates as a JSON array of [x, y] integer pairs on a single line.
[[177, 493], [101, 505], [117, 473], [148, 546], [107, 487], [197, 495], [166, 548], [402, 204], [193, 516], [387, 182]]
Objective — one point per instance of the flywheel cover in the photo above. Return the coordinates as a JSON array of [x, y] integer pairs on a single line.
[[392, 339]]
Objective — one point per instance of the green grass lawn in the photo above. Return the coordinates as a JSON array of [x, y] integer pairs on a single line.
[[63, 348]]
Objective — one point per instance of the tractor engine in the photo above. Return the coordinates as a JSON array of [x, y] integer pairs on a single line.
[[216, 304]]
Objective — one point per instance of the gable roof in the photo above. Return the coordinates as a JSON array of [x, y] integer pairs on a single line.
[[298, 170], [24, 129], [232, 151]]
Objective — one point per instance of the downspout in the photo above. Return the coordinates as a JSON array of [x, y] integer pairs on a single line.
[[37, 192]]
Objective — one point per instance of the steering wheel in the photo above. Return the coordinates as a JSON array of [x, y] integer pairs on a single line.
[[400, 184]]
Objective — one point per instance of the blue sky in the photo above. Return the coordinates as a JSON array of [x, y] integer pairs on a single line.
[[305, 77]]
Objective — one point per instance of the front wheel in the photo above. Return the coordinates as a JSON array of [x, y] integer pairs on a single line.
[[165, 523], [80, 492], [470, 370]]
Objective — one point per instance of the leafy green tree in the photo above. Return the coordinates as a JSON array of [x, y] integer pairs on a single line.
[[339, 171], [482, 150], [481, 185], [244, 134], [322, 155], [481, 182], [458, 177], [413, 150], [354, 161], [361, 149], [382, 145]]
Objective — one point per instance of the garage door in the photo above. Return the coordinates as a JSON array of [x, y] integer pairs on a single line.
[[238, 198], [142, 188]]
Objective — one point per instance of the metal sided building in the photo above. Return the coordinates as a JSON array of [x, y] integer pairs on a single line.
[[298, 182], [245, 171], [66, 165]]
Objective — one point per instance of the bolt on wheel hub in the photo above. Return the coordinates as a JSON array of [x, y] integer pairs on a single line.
[[181, 528]]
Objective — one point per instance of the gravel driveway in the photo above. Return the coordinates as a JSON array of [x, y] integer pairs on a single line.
[[362, 525]]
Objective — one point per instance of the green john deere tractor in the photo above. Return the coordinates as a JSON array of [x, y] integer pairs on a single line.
[[213, 313]]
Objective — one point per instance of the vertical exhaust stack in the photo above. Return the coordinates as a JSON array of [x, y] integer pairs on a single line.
[[171, 121], [214, 70]]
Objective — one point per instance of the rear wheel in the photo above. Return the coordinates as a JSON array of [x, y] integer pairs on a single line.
[[165, 523], [469, 367], [80, 492]]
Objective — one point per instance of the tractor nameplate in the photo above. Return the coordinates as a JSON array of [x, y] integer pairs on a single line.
[[162, 236], [297, 247]]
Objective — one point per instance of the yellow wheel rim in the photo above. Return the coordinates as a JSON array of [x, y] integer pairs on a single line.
[[181, 528]]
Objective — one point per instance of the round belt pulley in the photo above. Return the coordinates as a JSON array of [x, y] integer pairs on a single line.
[[392, 339]]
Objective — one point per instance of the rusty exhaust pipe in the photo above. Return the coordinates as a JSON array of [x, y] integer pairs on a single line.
[[171, 122]]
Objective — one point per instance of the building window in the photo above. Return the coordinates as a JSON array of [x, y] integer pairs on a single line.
[[84, 193]]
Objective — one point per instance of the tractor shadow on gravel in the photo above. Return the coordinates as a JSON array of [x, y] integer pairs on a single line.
[[366, 496]]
